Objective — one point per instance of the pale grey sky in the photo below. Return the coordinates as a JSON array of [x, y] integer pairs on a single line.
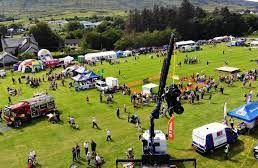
[[253, 0]]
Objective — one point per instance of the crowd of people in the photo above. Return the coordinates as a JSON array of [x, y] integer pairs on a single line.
[[190, 60]]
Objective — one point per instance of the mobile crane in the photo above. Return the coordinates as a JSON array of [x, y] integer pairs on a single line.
[[154, 141]]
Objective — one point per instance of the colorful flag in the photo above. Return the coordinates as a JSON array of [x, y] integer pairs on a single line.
[[171, 126]]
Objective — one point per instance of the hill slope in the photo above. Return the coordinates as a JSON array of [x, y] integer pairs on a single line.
[[32, 5]]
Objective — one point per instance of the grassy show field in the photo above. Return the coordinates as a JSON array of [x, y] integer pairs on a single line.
[[53, 143]]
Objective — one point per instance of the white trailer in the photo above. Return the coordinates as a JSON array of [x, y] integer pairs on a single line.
[[159, 141], [112, 82]]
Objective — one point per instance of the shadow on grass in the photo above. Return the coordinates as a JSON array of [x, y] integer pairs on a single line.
[[219, 154], [31, 123], [112, 140], [182, 164], [198, 103]]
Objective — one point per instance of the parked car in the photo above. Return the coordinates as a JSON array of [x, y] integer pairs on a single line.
[[209, 137], [84, 86], [2, 73], [256, 152], [101, 86]]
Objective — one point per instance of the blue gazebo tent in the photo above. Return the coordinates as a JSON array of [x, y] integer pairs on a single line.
[[85, 77], [79, 78], [119, 53], [91, 75], [247, 112]]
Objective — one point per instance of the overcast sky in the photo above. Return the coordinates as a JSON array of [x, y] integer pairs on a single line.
[[253, 0]]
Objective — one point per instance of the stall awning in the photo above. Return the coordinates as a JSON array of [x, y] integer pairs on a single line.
[[228, 69], [247, 112]]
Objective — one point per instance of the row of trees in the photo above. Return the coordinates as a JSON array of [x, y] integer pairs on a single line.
[[149, 27], [144, 39], [192, 22]]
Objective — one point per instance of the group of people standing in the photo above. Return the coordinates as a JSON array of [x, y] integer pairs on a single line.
[[90, 156]]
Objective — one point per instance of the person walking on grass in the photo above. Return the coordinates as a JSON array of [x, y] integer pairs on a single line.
[[86, 147], [1, 111], [226, 151], [125, 108], [118, 112], [222, 90], [78, 152], [88, 157], [87, 99], [93, 147], [108, 135], [100, 97], [210, 98], [74, 154], [98, 161], [231, 121], [94, 123], [9, 100]]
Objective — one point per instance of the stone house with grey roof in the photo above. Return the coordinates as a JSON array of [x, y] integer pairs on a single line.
[[20, 46]]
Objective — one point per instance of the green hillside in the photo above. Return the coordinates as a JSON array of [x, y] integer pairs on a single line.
[[32, 5]]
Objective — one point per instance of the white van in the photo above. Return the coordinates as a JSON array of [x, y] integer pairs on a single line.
[[101, 86], [212, 136]]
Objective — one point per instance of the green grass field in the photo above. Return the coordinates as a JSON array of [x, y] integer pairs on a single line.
[[53, 143]]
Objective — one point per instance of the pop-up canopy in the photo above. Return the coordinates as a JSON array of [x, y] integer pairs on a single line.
[[85, 77], [146, 89], [247, 112]]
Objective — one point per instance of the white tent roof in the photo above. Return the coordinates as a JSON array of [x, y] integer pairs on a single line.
[[182, 43], [210, 128], [149, 86], [81, 70], [228, 69], [254, 42], [67, 59], [104, 54]]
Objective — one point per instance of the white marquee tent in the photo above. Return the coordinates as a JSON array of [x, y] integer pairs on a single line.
[[254, 43], [101, 55], [184, 43]]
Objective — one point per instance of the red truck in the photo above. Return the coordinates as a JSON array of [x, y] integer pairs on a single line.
[[26, 110]]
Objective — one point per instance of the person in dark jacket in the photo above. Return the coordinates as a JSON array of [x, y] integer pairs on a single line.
[[93, 147], [118, 112], [78, 151], [74, 154]]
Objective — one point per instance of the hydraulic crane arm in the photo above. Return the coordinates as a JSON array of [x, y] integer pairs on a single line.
[[170, 95]]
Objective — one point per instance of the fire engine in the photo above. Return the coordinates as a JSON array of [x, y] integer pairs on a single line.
[[26, 110]]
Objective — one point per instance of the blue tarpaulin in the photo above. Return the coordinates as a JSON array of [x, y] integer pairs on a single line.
[[247, 112]]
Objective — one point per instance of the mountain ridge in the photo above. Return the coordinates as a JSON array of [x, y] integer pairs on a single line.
[[35, 5]]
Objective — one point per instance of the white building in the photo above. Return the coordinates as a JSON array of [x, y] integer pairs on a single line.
[[88, 25], [58, 22]]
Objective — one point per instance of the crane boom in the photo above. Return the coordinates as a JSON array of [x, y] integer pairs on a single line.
[[162, 85]]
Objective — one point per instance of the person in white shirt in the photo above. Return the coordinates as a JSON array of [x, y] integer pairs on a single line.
[[88, 157], [86, 147], [94, 123], [108, 135], [98, 161]]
